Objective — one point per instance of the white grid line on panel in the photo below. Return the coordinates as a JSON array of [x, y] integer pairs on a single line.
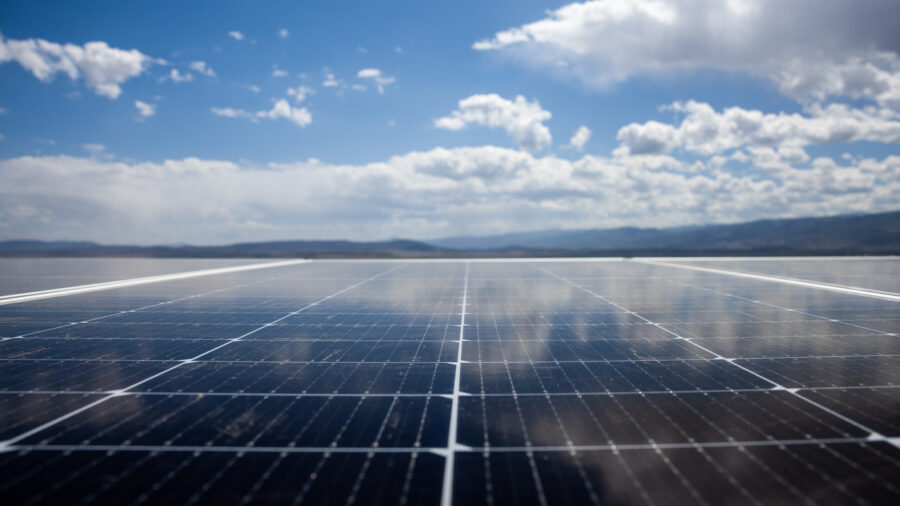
[[452, 445]]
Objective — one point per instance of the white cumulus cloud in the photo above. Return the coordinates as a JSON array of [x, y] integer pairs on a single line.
[[281, 109], [522, 120], [300, 92], [236, 35], [811, 49], [705, 131], [376, 76], [144, 109], [202, 68], [103, 68], [580, 138], [177, 77]]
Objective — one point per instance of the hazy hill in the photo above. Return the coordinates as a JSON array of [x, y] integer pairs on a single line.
[[395, 248], [863, 233], [857, 234]]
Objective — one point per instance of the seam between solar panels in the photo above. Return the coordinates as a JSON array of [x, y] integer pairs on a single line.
[[873, 434], [351, 362], [95, 287], [850, 290], [438, 450], [373, 340], [339, 325], [11, 441], [464, 394], [70, 338], [452, 445]]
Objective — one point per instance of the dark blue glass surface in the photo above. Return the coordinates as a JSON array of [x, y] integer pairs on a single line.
[[517, 382]]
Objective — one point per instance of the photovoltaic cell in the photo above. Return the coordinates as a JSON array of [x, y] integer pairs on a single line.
[[459, 381]]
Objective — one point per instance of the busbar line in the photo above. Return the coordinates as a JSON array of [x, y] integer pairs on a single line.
[[851, 290], [452, 445], [109, 285]]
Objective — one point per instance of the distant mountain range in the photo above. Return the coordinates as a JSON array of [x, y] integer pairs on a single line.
[[311, 249], [871, 233], [835, 235]]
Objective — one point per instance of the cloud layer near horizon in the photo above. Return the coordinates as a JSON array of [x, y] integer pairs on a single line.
[[477, 190]]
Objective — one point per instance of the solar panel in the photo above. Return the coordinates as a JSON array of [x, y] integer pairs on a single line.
[[455, 382], [31, 274], [875, 273]]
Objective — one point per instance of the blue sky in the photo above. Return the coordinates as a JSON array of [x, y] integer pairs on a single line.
[[436, 68], [421, 134]]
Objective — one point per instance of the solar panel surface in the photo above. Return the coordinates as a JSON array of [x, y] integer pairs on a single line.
[[463, 382], [19, 275], [878, 273]]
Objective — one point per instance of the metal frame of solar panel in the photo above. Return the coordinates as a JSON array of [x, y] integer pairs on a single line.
[[459, 382]]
